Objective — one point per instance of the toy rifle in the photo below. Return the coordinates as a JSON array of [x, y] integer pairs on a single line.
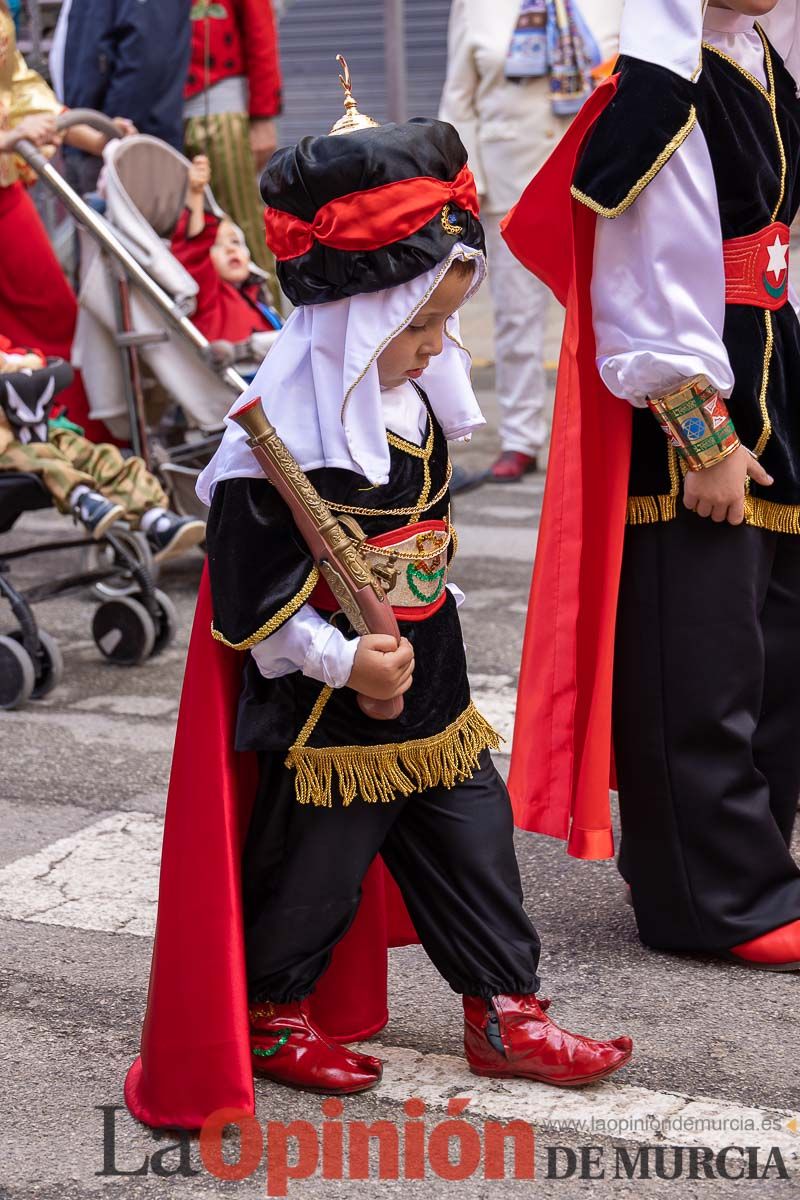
[[338, 553]]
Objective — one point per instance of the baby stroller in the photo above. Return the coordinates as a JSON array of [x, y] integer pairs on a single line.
[[126, 628], [149, 373]]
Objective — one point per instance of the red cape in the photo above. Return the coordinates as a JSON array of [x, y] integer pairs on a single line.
[[561, 757], [195, 1048]]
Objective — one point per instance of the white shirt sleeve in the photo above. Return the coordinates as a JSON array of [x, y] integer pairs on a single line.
[[307, 643], [658, 283]]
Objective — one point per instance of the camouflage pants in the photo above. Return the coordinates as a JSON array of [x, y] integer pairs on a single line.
[[67, 460]]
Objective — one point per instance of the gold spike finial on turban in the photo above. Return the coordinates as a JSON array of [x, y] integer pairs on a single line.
[[352, 119]]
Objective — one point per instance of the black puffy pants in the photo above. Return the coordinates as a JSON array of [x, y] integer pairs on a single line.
[[451, 852], [707, 730]]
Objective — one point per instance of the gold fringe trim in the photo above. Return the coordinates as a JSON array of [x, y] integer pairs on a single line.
[[380, 773], [648, 177], [766, 514], [763, 514], [646, 510], [275, 622]]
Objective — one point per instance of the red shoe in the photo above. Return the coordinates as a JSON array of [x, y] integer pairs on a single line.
[[286, 1046], [778, 950], [511, 466], [535, 1047]]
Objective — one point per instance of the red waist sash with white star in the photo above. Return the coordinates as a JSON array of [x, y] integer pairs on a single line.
[[757, 267]]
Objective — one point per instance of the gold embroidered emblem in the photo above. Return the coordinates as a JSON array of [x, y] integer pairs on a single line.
[[433, 559], [447, 224]]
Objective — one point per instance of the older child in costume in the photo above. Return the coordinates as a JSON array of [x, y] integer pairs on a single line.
[[680, 323], [93, 482], [365, 385]]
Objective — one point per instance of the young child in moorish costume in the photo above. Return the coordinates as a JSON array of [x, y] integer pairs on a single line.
[[365, 385], [681, 322]]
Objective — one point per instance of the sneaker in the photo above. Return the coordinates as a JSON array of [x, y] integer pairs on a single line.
[[462, 480], [171, 535], [97, 513]]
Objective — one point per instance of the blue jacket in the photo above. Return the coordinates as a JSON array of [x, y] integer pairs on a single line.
[[129, 58]]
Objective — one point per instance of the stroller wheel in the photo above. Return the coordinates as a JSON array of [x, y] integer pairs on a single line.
[[48, 664], [100, 555], [17, 674], [124, 632], [167, 622]]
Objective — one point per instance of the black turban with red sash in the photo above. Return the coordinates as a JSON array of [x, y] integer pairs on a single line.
[[561, 762], [367, 211]]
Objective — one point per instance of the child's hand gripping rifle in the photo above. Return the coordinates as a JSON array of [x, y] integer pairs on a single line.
[[338, 555]]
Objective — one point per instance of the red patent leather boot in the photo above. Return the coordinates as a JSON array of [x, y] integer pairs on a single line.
[[778, 950], [535, 1047], [286, 1046]]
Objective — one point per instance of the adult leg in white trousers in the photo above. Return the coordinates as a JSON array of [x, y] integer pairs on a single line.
[[519, 301]]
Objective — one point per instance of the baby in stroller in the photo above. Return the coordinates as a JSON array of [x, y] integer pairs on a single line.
[[234, 308], [94, 483]]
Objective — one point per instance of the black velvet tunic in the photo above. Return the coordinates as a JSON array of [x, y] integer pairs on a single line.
[[753, 137], [261, 572]]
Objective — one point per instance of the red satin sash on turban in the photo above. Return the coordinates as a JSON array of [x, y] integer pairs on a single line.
[[370, 219]]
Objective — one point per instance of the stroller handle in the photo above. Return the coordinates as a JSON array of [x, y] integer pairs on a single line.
[[87, 116]]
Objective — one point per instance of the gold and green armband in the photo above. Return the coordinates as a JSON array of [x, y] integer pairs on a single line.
[[696, 420]]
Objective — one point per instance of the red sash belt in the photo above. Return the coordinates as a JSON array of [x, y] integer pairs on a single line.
[[421, 572], [757, 267]]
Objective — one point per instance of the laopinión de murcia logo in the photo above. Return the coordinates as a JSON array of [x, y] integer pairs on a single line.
[[233, 1146]]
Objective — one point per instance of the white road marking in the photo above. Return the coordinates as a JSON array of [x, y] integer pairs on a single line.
[[105, 877], [128, 705], [619, 1110]]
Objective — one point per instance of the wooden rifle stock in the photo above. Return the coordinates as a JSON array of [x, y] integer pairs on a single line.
[[337, 555]]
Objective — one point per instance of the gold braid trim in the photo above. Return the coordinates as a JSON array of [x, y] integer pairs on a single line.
[[380, 773], [414, 511], [766, 514], [275, 622], [648, 177]]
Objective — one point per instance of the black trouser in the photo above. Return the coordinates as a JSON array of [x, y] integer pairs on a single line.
[[451, 852], [707, 730]]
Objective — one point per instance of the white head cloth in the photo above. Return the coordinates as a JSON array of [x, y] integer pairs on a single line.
[[319, 382], [669, 33]]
